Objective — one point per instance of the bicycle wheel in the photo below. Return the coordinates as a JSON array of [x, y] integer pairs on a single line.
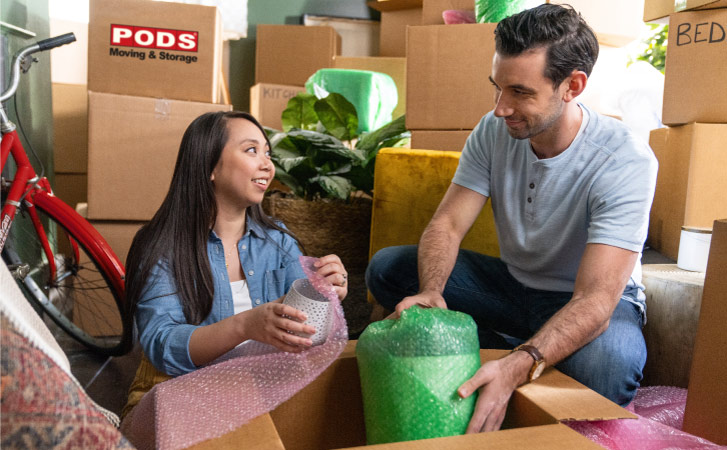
[[80, 298]]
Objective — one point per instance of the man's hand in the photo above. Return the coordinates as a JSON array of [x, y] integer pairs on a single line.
[[427, 299], [496, 381]]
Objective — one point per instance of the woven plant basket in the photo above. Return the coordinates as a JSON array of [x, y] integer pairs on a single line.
[[325, 227]]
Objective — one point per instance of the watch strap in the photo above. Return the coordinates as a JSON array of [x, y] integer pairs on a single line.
[[538, 359], [531, 350]]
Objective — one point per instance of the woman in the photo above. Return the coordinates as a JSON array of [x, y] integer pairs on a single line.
[[210, 270]]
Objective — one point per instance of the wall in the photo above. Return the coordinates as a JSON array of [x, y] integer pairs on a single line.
[[34, 90], [242, 51]]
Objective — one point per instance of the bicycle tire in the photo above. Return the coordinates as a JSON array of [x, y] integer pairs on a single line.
[[80, 299]]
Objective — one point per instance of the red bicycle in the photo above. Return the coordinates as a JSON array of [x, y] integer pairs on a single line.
[[63, 265]]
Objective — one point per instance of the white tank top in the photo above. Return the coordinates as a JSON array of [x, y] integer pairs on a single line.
[[241, 300]]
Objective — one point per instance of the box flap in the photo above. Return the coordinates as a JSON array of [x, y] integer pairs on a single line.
[[394, 5], [258, 434], [545, 437], [561, 397], [705, 413]]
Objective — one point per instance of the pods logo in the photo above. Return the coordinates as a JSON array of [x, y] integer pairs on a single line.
[[156, 38]]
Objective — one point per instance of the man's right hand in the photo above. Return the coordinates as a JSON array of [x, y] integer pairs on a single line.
[[426, 299]]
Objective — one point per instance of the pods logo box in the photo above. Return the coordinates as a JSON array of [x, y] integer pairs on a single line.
[[155, 49]]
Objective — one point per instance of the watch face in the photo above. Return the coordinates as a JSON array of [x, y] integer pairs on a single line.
[[537, 370]]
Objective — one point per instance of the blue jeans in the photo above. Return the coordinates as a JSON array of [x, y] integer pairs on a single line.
[[508, 313]]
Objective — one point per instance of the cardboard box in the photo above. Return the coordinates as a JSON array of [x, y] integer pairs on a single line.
[[705, 413], [70, 128], [72, 188], [451, 140], [395, 67], [119, 236], [695, 66], [132, 148], [290, 54], [689, 186], [333, 412], [268, 101], [359, 37], [155, 49], [447, 74], [659, 9], [396, 16]]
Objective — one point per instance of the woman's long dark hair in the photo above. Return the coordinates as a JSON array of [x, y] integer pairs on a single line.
[[177, 234]]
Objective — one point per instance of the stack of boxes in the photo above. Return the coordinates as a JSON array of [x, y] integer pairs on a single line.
[[70, 113], [287, 55], [692, 149], [448, 90], [692, 155], [153, 67]]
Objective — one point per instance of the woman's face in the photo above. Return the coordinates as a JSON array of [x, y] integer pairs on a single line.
[[244, 170]]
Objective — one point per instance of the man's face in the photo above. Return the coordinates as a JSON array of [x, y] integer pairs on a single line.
[[524, 97]]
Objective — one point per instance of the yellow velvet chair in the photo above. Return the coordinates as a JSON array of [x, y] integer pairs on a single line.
[[408, 186]]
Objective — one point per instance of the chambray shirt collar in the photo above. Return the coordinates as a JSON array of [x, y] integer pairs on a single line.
[[250, 227]]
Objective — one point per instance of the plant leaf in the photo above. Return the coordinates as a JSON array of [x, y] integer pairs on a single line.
[[288, 160], [300, 113], [338, 115], [369, 142], [334, 186], [321, 146], [289, 180]]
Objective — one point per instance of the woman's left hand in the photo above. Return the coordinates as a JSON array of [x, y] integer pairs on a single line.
[[331, 268]]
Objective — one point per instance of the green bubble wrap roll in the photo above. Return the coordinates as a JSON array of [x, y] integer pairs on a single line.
[[410, 370], [491, 11], [373, 94]]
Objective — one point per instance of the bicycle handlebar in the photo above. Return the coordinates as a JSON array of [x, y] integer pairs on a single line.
[[45, 44]]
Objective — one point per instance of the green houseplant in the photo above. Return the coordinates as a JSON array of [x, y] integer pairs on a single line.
[[319, 154], [329, 170]]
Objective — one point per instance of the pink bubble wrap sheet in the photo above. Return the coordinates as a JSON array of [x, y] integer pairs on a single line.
[[661, 413], [241, 385]]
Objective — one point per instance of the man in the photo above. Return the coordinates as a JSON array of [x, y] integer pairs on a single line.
[[571, 192]]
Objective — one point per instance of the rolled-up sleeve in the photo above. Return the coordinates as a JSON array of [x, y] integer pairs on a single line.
[[164, 333]]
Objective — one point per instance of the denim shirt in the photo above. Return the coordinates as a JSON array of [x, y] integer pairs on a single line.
[[269, 259]]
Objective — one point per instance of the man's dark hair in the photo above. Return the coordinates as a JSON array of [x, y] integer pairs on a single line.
[[570, 43]]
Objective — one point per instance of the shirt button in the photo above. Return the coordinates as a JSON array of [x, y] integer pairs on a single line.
[[530, 200], [532, 185], [244, 247], [251, 273], [257, 301]]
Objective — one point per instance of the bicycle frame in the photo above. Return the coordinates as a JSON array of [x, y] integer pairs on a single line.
[[33, 190]]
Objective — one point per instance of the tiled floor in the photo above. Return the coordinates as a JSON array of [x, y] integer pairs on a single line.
[[107, 379]]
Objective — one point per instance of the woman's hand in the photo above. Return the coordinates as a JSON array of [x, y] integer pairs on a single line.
[[331, 268], [273, 323]]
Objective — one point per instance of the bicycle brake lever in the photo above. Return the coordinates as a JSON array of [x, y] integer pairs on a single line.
[[25, 63]]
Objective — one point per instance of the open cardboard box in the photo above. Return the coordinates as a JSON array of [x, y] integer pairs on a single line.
[[328, 414]]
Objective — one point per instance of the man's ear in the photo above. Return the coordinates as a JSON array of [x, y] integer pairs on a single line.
[[575, 84]]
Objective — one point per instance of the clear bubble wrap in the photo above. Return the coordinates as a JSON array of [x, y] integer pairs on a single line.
[[248, 381], [660, 411], [410, 370]]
